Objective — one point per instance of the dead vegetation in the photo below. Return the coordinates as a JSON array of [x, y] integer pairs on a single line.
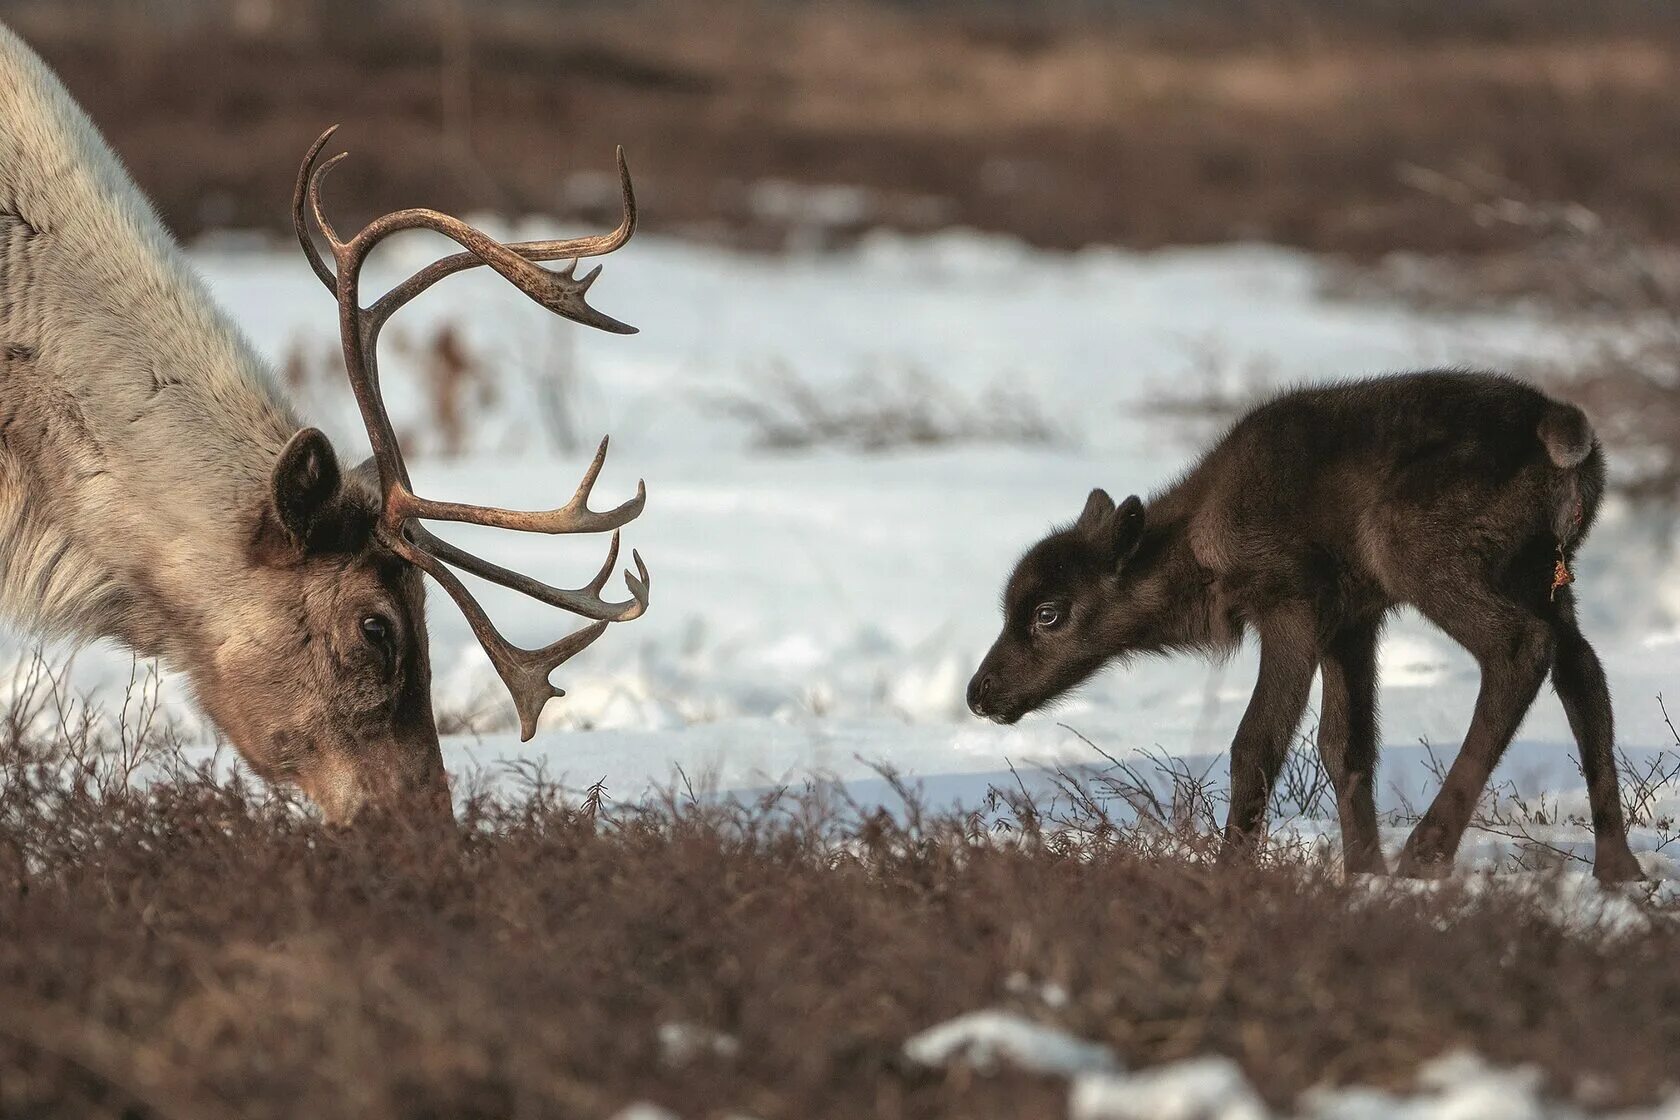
[[1185, 801], [457, 406], [804, 124], [194, 947], [884, 410]]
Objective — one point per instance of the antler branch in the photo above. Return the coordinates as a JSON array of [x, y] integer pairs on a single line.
[[525, 672]]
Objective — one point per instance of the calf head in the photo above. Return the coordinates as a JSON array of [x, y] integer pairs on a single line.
[[323, 680], [1067, 610]]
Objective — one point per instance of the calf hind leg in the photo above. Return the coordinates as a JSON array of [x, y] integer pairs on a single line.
[[1514, 648], [1579, 681]]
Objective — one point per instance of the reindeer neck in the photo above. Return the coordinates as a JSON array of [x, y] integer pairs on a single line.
[[137, 428]]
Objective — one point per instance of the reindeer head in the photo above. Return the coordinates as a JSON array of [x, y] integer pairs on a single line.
[[336, 695], [1066, 611]]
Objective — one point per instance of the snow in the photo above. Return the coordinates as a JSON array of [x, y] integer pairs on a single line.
[[644, 1110], [682, 1044], [1196, 1089], [989, 1039], [819, 613], [1456, 1086]]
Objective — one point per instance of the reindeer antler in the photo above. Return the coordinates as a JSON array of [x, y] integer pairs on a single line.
[[525, 672]]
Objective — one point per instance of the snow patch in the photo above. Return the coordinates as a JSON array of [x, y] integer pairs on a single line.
[[682, 1044], [644, 1110], [1455, 1087], [1198, 1089], [988, 1040]]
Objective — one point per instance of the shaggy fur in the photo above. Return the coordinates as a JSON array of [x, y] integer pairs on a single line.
[[144, 493], [123, 389], [1462, 494]]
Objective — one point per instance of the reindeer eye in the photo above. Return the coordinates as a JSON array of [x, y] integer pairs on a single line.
[[376, 630], [1047, 617]]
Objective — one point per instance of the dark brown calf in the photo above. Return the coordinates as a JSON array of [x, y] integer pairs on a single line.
[[1462, 494]]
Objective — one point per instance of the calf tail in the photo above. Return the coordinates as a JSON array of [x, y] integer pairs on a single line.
[[1573, 448], [1566, 434]]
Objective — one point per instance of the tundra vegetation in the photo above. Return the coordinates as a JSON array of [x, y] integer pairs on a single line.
[[196, 947]]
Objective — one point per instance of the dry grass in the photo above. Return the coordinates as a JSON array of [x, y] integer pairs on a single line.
[[1126, 123], [459, 408], [879, 411], [195, 948]]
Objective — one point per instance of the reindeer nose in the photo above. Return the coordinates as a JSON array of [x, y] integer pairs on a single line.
[[978, 690]]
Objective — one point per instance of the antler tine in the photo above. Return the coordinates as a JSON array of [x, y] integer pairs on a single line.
[[300, 194], [560, 292], [576, 248], [585, 601], [573, 517], [316, 178], [525, 672], [543, 250]]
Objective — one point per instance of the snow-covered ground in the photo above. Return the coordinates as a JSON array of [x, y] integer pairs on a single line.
[[1456, 1086], [821, 611]]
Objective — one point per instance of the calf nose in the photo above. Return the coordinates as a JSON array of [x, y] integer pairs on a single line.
[[978, 690]]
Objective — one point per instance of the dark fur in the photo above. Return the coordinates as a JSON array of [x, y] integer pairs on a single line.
[[1316, 515]]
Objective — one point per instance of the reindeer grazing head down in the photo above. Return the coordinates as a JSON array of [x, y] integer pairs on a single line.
[[331, 690], [1067, 610]]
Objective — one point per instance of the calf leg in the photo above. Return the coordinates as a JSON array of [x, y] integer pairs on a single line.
[[1513, 646], [1579, 680], [1288, 657], [1347, 740]]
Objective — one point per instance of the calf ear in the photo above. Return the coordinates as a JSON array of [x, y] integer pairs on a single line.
[[1128, 529], [304, 483], [1094, 518]]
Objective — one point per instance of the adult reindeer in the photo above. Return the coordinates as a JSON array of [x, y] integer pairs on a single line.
[[156, 489]]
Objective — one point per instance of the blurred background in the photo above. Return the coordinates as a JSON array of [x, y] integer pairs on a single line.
[[1062, 122], [913, 277]]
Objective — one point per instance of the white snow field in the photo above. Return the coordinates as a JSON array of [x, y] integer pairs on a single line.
[[818, 613]]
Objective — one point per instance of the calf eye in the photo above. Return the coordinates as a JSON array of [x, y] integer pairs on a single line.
[[1047, 617]]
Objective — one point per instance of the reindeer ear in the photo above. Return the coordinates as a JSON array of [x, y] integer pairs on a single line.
[[1094, 518], [1128, 529], [305, 482]]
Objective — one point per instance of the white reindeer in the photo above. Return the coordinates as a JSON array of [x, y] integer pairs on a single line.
[[156, 488]]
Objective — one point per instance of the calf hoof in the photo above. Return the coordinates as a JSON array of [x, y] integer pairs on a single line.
[[1424, 865], [1615, 864]]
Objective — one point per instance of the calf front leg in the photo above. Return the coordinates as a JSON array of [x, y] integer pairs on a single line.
[[1347, 741], [1288, 659]]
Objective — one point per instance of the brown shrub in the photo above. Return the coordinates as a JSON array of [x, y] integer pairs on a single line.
[[196, 949]]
